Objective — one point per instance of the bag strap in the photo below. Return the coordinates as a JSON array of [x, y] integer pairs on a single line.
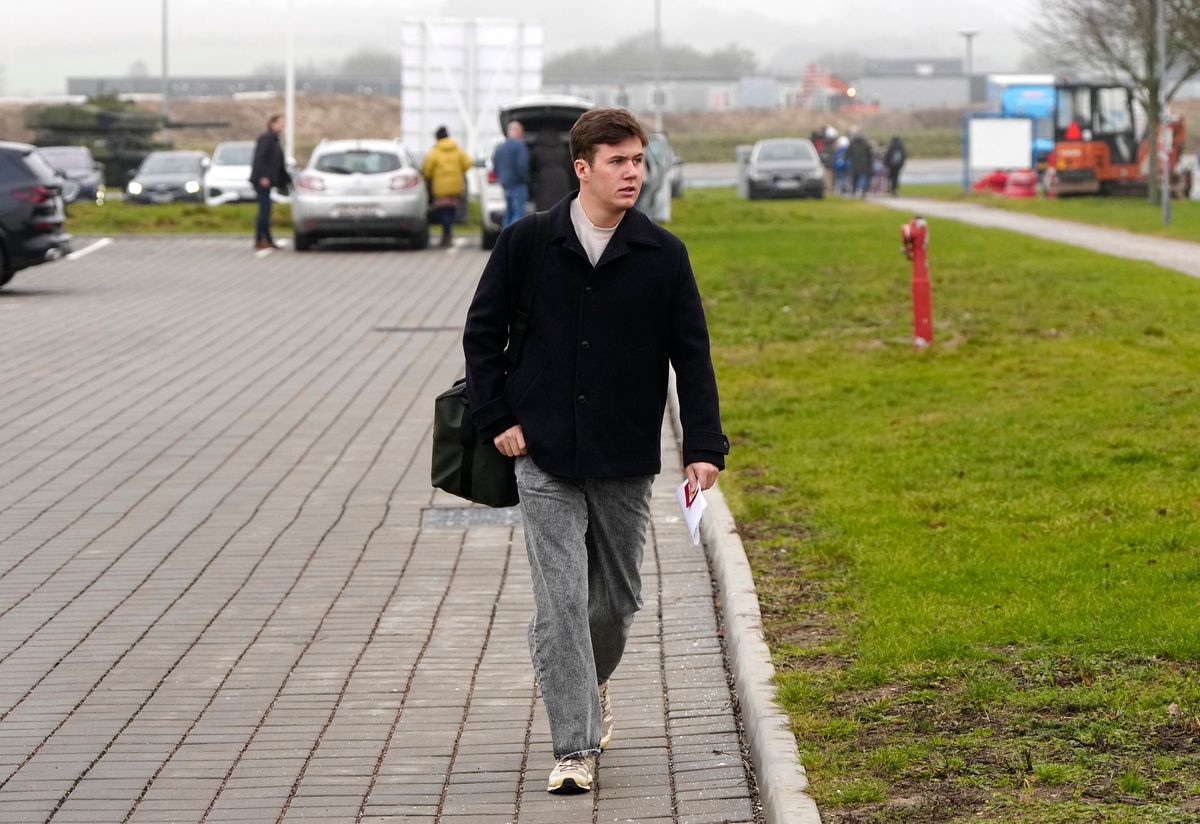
[[524, 311]]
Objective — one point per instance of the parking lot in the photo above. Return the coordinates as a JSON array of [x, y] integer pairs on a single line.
[[227, 591]]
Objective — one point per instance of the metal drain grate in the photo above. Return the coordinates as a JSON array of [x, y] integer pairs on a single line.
[[465, 517]]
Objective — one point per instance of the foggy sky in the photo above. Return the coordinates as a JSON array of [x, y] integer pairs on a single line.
[[42, 43]]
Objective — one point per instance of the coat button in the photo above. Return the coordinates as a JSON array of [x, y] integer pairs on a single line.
[[587, 290], [582, 399], [584, 345]]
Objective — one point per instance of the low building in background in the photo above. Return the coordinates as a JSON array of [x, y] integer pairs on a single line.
[[194, 86]]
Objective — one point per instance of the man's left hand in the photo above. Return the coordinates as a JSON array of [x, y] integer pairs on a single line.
[[701, 475]]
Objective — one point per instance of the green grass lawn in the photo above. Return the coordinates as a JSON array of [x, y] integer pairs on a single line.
[[120, 217], [979, 564], [1131, 213]]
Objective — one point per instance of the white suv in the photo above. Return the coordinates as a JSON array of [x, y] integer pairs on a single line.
[[547, 119]]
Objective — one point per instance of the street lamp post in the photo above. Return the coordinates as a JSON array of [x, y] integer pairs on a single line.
[[1164, 132], [969, 35], [658, 94], [165, 104], [289, 84]]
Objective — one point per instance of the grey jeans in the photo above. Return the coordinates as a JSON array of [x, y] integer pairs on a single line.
[[585, 540]]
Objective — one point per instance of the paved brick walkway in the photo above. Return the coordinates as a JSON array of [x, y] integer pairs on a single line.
[[223, 596]]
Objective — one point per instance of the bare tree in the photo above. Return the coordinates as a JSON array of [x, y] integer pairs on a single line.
[[1117, 38]]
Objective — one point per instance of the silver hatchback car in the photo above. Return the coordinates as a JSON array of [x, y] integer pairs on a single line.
[[360, 188]]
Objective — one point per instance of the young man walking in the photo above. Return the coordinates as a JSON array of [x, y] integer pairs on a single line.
[[267, 171], [510, 162], [582, 414]]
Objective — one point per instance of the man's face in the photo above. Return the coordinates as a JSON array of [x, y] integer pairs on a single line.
[[277, 126], [614, 177]]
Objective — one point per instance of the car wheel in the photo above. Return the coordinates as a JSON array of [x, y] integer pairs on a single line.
[[489, 239], [303, 241], [420, 239], [677, 189]]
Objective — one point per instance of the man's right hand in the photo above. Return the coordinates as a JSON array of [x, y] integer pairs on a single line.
[[265, 182], [511, 442]]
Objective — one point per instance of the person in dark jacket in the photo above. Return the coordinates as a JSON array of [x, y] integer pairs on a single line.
[[268, 170], [616, 306], [551, 177], [859, 155], [894, 159], [510, 162]]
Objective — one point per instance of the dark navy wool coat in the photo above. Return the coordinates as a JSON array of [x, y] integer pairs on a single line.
[[591, 386]]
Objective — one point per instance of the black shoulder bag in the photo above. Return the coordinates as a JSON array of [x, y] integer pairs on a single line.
[[463, 464]]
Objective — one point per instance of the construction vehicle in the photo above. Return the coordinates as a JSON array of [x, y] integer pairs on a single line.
[[1097, 145]]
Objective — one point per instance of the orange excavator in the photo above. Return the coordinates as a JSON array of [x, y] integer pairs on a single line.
[[1097, 145]]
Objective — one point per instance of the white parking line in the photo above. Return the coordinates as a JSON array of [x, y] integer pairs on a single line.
[[91, 247]]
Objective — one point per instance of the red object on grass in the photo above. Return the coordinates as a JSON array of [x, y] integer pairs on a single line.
[[994, 183], [1021, 184], [915, 236]]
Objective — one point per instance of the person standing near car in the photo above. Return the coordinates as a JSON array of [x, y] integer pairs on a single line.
[[510, 162], [268, 170], [894, 158], [615, 306], [550, 172], [859, 155], [444, 168]]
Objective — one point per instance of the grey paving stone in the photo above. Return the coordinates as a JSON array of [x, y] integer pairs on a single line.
[[226, 582]]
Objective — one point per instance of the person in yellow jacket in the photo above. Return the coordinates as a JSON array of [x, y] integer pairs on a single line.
[[444, 168]]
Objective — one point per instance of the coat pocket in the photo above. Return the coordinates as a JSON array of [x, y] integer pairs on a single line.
[[535, 358]]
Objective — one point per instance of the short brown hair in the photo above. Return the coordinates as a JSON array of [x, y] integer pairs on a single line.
[[598, 127], [273, 119]]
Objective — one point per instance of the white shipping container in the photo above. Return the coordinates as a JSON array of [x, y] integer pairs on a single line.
[[457, 73]]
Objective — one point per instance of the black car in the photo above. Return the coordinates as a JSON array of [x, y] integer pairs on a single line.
[[784, 167], [77, 166], [31, 210], [165, 177]]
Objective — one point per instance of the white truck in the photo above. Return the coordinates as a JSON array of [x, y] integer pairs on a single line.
[[458, 72]]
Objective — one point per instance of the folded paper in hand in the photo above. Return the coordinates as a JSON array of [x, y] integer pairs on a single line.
[[692, 505]]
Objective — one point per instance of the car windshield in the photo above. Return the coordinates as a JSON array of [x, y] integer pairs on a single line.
[[361, 161], [167, 164], [787, 151], [68, 158], [234, 154]]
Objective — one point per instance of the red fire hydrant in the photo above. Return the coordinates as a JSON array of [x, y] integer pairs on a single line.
[[916, 243]]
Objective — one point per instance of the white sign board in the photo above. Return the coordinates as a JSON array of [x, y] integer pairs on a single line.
[[999, 143], [457, 73]]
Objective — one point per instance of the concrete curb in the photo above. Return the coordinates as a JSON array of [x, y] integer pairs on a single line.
[[782, 782]]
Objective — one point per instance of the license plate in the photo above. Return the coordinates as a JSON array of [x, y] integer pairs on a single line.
[[157, 198], [787, 184], [358, 210]]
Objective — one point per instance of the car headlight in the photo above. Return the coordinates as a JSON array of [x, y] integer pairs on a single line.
[[191, 187], [135, 188]]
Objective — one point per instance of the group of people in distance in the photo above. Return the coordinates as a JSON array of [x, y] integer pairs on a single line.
[[855, 165]]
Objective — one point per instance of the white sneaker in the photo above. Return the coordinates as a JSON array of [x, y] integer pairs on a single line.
[[606, 717], [573, 774]]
